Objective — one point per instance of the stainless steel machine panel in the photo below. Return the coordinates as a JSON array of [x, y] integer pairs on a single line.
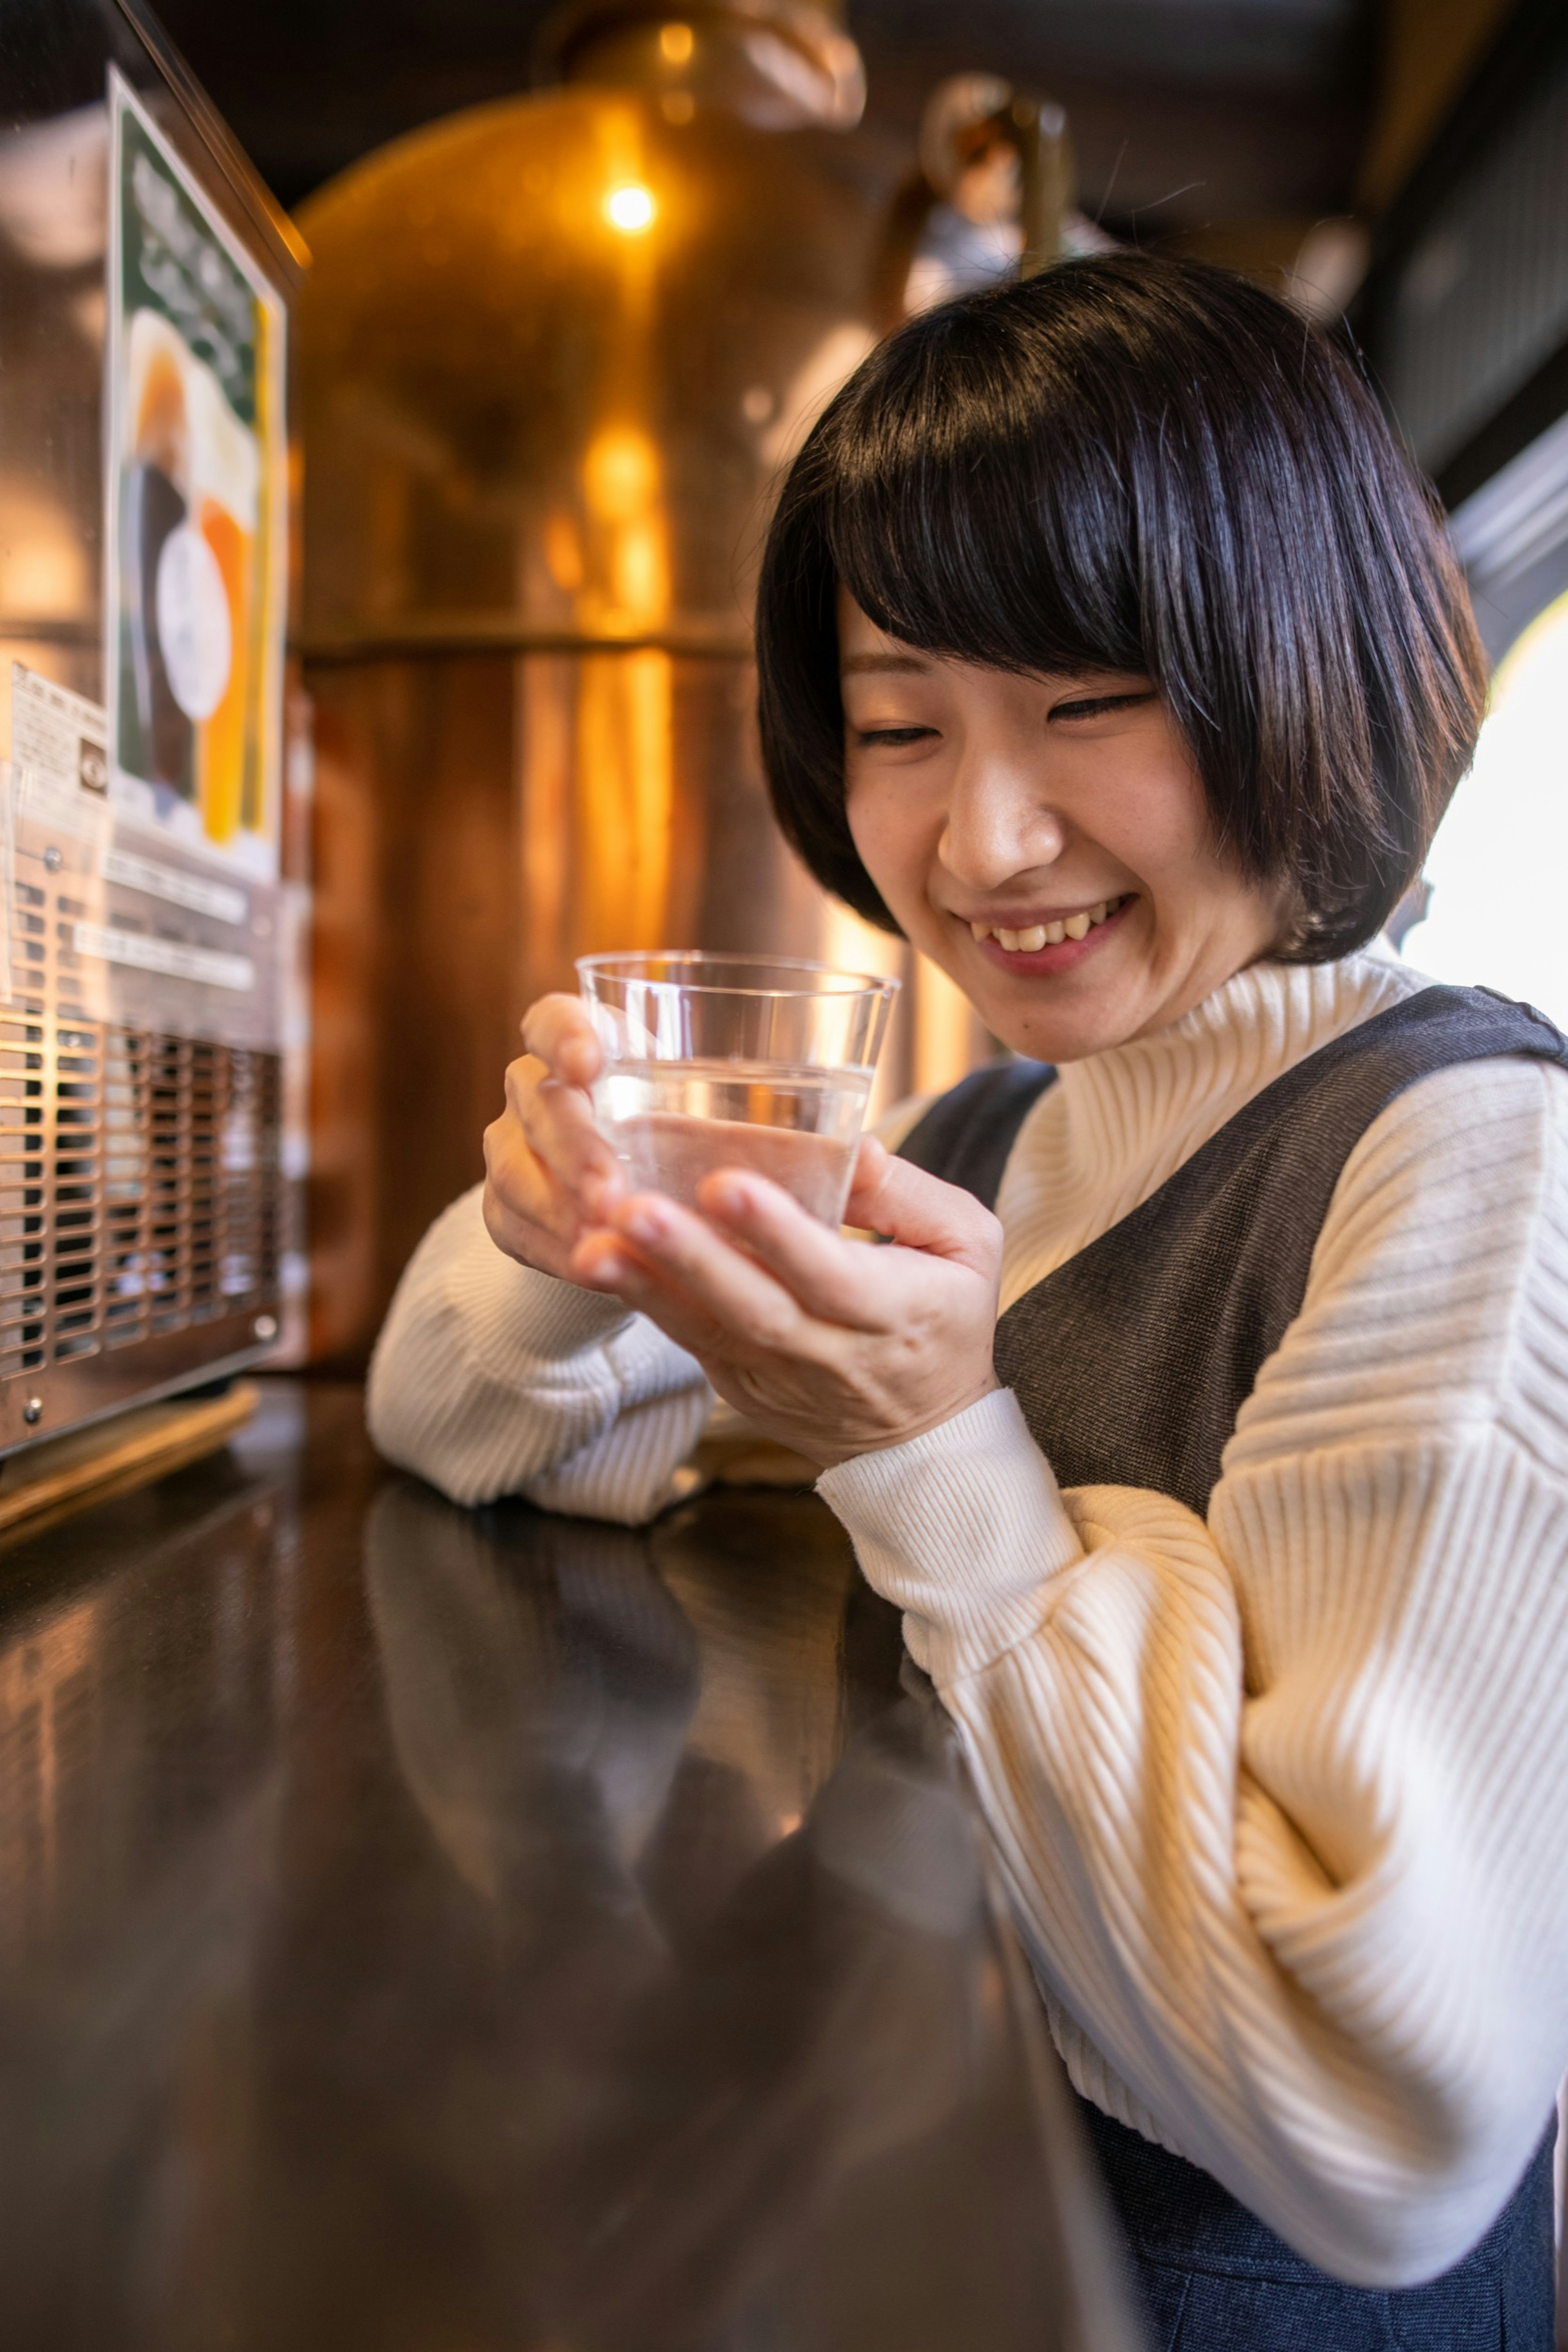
[[145, 921]]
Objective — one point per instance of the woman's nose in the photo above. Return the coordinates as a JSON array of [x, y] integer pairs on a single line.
[[996, 826]]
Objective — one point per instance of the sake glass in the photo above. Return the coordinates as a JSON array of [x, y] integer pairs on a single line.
[[735, 1061]]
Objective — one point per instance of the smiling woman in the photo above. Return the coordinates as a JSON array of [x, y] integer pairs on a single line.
[[1207, 1413], [1026, 829]]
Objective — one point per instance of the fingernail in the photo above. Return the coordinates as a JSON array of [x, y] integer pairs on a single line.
[[643, 1225], [724, 1195], [605, 1267]]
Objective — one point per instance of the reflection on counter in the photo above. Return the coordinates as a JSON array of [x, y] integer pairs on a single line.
[[426, 1927]]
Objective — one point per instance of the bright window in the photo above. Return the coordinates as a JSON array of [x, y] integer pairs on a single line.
[[1498, 868]]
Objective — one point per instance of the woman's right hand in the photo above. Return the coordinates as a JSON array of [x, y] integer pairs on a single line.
[[550, 1174]]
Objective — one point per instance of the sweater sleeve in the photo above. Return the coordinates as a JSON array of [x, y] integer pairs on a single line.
[[1278, 1793], [489, 1379]]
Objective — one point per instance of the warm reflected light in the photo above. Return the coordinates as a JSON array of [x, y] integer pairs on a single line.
[[43, 571], [637, 569], [630, 209], [675, 44], [948, 1039], [627, 567], [621, 474], [625, 795], [848, 943], [563, 553]]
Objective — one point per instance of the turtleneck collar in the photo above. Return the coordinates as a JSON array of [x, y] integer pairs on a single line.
[[1116, 1124]]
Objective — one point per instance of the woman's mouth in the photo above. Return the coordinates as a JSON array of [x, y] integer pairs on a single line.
[[1050, 946]]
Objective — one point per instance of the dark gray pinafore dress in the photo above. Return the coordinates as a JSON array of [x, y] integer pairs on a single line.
[[1130, 1363]]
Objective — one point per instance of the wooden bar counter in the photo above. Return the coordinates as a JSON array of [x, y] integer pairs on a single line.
[[438, 1931]]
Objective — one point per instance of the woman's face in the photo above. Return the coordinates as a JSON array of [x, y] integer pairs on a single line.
[[1045, 840]]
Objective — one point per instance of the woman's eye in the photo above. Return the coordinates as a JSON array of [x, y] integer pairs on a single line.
[[1095, 706], [865, 736]]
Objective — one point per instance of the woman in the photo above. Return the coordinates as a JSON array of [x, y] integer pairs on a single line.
[[1111, 651]]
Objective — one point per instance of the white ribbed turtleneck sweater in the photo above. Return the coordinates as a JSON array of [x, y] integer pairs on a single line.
[[1278, 1792]]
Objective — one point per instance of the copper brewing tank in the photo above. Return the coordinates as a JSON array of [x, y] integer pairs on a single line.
[[554, 353]]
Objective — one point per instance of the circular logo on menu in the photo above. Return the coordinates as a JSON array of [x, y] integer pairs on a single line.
[[193, 632]]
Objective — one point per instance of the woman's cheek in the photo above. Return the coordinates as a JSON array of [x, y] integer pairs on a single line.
[[884, 840], [861, 809]]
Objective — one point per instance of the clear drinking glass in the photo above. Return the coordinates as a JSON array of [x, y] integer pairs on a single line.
[[735, 1061]]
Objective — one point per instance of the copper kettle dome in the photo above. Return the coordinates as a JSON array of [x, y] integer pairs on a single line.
[[556, 352]]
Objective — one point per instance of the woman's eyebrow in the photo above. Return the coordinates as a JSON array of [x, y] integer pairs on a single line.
[[854, 663]]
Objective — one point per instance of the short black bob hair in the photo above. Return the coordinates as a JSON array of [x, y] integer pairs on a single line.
[[1135, 463]]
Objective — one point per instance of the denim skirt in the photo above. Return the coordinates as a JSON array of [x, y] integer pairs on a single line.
[[1216, 2279]]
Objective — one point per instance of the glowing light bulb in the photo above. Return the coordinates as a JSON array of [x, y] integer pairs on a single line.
[[630, 209], [675, 44]]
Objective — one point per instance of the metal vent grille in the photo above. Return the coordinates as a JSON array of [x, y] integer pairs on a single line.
[[138, 1172]]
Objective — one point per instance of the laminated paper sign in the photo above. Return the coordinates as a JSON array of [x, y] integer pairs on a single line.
[[196, 523], [57, 742]]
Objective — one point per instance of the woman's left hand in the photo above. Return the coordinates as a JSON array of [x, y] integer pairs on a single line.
[[832, 1347]]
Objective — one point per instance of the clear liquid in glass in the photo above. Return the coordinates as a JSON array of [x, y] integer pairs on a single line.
[[669, 1123]]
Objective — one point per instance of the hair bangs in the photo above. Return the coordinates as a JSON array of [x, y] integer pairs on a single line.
[[1131, 463], [961, 529]]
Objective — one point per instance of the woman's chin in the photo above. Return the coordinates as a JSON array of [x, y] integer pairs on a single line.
[[1061, 1041], [1072, 1017]]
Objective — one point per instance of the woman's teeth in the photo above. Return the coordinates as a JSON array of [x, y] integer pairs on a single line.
[[1048, 935]]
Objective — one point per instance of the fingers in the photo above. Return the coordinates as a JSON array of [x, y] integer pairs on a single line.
[[559, 1030], [548, 1168], [603, 1260], [834, 1279], [548, 1171], [556, 1123], [529, 1239], [698, 1272], [903, 1201], [771, 1276], [521, 1178]]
